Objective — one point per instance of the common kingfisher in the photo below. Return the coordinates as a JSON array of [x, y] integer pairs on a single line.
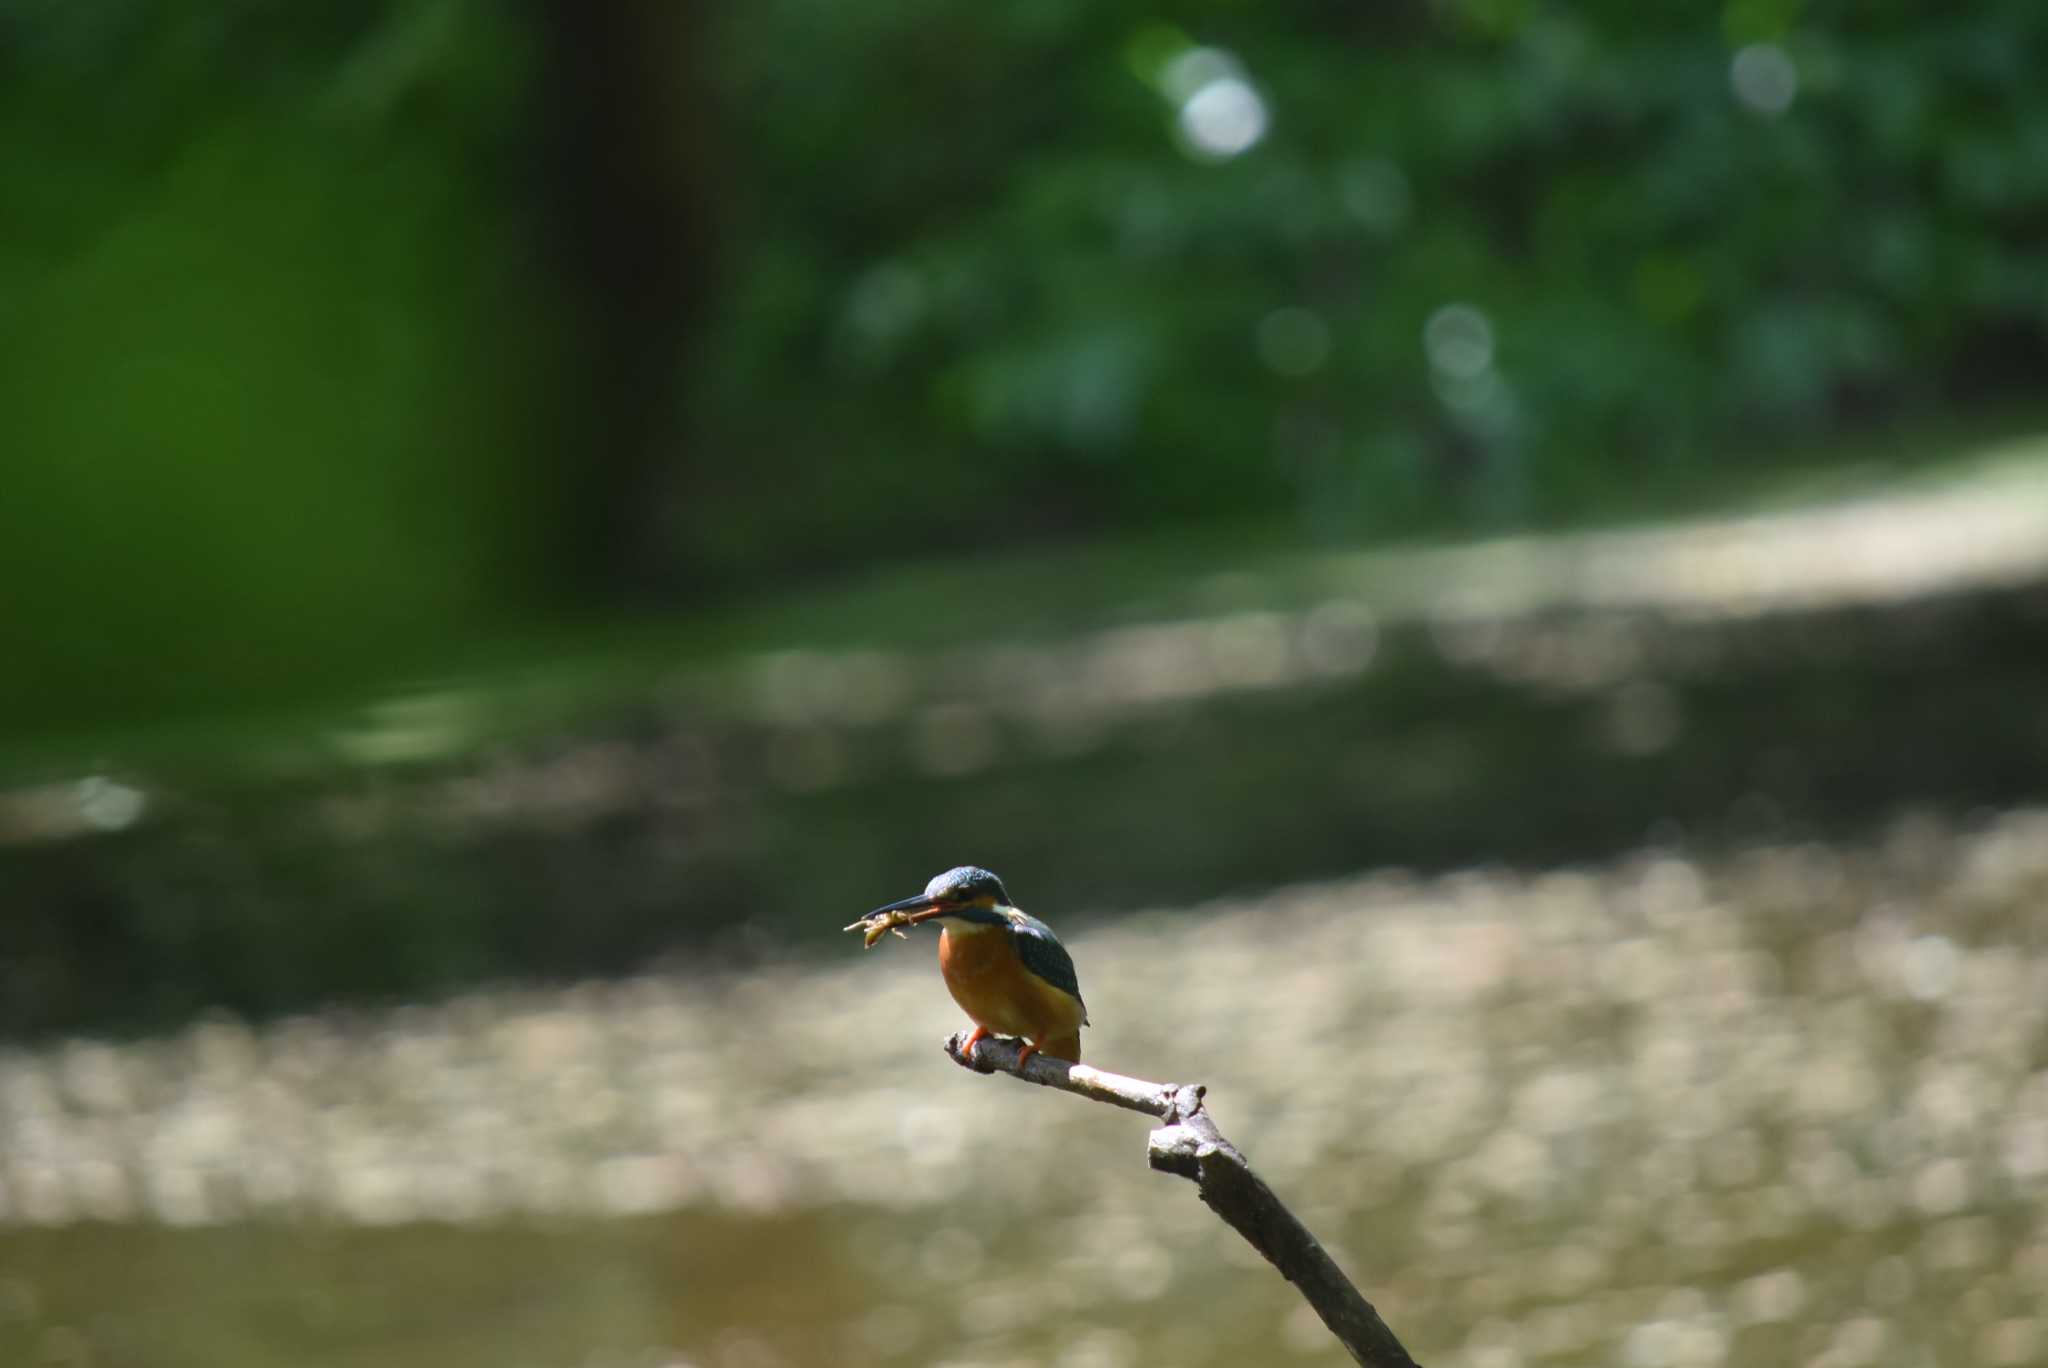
[[1004, 967]]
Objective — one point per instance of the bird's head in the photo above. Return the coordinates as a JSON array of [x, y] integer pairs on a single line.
[[967, 894]]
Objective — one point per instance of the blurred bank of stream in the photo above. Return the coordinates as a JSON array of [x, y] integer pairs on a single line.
[[1108, 737]]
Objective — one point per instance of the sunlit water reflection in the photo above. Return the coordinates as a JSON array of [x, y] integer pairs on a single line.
[[1787, 1105]]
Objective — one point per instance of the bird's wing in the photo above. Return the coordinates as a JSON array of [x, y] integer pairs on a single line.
[[1044, 956]]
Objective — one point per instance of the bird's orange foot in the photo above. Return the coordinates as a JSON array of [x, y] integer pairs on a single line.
[[1025, 1052], [974, 1038]]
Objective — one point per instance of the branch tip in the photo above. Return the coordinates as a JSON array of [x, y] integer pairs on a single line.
[[1189, 1146]]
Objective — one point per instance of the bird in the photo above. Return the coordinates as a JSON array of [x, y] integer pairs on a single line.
[[1005, 967]]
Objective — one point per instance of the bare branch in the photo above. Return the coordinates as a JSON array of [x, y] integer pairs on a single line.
[[1190, 1145], [997, 1054]]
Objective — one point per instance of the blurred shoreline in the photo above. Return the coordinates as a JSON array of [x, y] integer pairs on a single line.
[[1799, 675]]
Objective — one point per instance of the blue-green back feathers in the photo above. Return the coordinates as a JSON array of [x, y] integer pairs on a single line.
[[1043, 954]]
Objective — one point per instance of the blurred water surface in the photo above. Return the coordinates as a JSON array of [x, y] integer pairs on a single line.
[[1783, 1105]]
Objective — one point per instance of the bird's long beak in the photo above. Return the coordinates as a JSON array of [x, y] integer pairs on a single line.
[[920, 907]]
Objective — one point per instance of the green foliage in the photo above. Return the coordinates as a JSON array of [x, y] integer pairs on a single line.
[[279, 360], [979, 283], [313, 365]]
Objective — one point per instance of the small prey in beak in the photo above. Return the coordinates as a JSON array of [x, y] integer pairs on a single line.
[[888, 920]]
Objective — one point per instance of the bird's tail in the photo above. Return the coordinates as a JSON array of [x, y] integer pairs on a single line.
[[1067, 1047]]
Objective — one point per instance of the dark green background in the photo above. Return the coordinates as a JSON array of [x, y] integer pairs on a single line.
[[341, 338]]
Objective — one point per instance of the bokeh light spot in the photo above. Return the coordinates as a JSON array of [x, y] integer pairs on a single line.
[[1221, 114], [1458, 340], [1929, 967], [1763, 78]]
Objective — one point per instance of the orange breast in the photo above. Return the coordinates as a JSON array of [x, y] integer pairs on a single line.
[[992, 986]]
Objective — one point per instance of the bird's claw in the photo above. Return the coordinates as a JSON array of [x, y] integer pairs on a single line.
[[965, 1043]]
